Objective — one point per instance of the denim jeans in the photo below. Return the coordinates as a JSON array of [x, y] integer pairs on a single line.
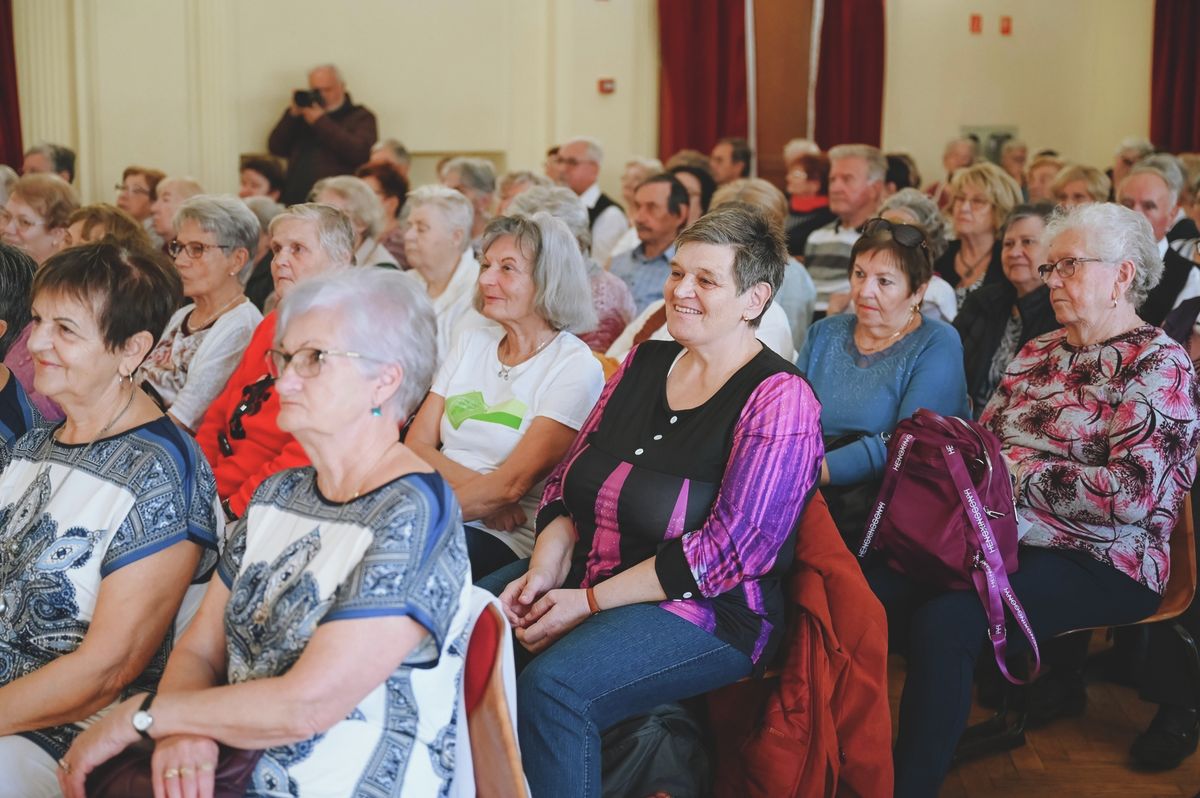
[[943, 633], [615, 665]]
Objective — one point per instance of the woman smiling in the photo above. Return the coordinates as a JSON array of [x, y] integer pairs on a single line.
[[509, 398]]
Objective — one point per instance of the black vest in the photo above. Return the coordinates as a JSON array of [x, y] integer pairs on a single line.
[[1176, 270], [601, 205]]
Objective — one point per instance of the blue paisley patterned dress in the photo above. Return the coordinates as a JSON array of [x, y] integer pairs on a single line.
[[67, 521], [296, 561]]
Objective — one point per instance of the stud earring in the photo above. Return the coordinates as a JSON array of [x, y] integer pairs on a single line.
[[377, 411]]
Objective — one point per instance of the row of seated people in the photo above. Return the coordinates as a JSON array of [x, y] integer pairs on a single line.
[[714, 559]]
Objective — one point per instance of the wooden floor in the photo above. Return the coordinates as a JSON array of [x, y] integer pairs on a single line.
[[1087, 756]]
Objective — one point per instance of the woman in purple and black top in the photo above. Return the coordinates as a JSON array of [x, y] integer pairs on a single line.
[[663, 535], [1098, 423]]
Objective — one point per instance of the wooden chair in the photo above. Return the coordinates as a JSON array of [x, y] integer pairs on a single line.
[[1006, 729], [494, 751]]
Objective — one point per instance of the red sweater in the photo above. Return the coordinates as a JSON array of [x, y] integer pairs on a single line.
[[265, 449]]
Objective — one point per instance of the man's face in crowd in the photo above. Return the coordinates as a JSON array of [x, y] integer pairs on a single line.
[[1149, 195], [333, 93]]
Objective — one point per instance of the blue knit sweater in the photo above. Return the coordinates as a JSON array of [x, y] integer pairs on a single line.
[[871, 393]]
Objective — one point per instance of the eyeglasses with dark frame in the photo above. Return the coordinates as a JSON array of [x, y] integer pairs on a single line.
[[906, 235], [1064, 266], [194, 249], [307, 361], [122, 189]]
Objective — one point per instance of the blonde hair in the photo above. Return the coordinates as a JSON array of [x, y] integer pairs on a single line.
[[1098, 184], [753, 191], [1001, 190]]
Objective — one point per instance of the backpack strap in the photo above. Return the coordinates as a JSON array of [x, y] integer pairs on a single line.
[[987, 571], [891, 477]]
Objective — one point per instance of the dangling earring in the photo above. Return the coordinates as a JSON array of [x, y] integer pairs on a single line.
[[377, 411]]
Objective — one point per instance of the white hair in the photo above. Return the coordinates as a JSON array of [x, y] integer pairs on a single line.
[[797, 147], [1113, 233], [594, 149], [362, 204], [383, 315], [454, 207], [876, 161], [1167, 167]]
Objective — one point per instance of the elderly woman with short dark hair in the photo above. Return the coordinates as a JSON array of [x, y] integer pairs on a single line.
[[109, 518], [334, 638], [664, 532], [353, 197], [215, 238], [510, 397], [1098, 426], [17, 414]]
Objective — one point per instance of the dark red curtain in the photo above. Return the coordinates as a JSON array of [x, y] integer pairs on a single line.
[[1175, 76], [849, 99], [10, 111], [702, 83]]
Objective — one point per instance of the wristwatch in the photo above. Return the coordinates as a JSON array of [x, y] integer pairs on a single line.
[[142, 719]]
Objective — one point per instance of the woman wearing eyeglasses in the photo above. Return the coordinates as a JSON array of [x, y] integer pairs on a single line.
[[335, 634], [136, 194], [35, 220], [1098, 425], [982, 197], [205, 339], [872, 368]]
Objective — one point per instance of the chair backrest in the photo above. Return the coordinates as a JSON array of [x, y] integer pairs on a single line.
[[1181, 583], [494, 750]]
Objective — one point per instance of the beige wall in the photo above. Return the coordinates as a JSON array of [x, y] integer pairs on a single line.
[[186, 85], [1074, 76]]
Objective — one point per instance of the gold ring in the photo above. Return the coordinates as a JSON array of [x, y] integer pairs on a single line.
[[186, 771], [65, 765], [170, 773], [207, 767]]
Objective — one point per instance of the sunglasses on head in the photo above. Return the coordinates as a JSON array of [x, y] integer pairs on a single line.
[[906, 235]]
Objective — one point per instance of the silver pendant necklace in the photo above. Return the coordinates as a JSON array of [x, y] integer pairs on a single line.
[[504, 371]]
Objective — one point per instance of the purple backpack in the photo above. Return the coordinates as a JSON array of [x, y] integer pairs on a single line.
[[946, 517]]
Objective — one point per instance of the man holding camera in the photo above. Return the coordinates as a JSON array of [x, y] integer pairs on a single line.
[[322, 133]]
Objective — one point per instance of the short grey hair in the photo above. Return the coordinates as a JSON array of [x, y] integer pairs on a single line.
[[952, 143], [876, 161], [651, 166], [187, 186], [1167, 167], [334, 231], [1013, 144], [477, 174], [454, 207], [594, 149], [1114, 233], [1141, 146], [395, 147], [759, 254], [523, 177], [265, 209], [362, 204], [223, 215], [925, 211], [8, 179], [562, 293], [797, 147], [562, 203], [383, 315], [337, 73]]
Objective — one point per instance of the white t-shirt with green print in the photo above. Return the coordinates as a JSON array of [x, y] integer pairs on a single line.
[[486, 415]]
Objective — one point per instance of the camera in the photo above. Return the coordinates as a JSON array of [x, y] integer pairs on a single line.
[[303, 98]]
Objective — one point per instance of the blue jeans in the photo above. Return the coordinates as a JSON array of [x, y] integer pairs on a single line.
[[613, 666], [942, 633]]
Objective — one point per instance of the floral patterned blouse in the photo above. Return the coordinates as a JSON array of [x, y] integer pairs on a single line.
[[1102, 442]]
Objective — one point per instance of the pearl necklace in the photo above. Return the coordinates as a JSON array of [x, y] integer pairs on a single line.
[[504, 371]]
